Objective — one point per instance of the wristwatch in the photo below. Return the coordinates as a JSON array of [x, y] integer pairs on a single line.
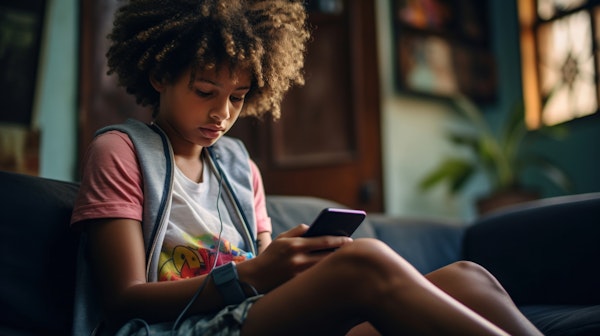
[[226, 279]]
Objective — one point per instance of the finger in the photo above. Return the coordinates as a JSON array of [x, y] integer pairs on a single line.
[[296, 231], [326, 243], [322, 249]]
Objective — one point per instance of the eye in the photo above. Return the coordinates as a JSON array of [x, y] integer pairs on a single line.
[[202, 94], [237, 99]]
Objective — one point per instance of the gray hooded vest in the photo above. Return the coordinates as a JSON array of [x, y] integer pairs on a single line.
[[227, 158]]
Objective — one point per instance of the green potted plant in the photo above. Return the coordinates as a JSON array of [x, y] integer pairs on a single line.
[[503, 157]]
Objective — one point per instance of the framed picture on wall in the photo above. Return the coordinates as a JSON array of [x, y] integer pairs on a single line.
[[21, 24], [431, 15], [426, 65], [442, 48]]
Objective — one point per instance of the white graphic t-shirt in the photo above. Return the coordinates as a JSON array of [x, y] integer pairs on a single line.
[[195, 224]]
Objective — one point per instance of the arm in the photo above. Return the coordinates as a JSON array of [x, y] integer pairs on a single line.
[[117, 252], [118, 257], [263, 222], [264, 239]]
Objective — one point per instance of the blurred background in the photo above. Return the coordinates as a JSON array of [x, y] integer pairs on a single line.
[[415, 108]]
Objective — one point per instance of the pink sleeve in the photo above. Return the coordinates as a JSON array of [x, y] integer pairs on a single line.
[[263, 221], [111, 185]]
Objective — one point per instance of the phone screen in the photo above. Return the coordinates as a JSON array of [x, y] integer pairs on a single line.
[[336, 222]]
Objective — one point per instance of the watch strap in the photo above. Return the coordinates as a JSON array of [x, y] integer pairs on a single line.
[[228, 285]]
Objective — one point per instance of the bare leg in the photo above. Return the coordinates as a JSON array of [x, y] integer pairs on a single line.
[[363, 329], [362, 281], [477, 289]]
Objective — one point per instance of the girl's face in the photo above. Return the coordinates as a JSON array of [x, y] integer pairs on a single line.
[[201, 113]]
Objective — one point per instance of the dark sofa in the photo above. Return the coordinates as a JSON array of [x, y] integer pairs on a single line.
[[546, 253]]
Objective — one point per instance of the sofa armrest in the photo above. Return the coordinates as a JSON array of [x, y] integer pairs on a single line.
[[543, 252], [427, 244], [37, 254]]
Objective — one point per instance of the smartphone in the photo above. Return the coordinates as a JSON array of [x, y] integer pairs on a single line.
[[336, 222]]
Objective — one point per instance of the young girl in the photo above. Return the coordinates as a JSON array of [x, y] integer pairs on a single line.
[[176, 238]]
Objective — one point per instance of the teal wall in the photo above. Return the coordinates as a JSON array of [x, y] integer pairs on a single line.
[[56, 99], [578, 154]]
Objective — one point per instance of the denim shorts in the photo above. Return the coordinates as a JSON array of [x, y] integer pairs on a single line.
[[226, 322]]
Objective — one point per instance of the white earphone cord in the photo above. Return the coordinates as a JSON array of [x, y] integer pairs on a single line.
[[201, 288]]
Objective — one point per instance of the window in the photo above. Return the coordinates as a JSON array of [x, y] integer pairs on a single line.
[[559, 59]]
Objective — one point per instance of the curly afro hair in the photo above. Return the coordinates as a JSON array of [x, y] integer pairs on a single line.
[[163, 38]]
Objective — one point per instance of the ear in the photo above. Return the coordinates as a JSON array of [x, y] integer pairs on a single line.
[[157, 84]]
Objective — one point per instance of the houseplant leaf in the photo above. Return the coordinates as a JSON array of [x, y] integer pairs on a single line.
[[501, 155], [455, 171]]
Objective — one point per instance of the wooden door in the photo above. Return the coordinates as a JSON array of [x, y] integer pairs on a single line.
[[327, 143], [101, 101]]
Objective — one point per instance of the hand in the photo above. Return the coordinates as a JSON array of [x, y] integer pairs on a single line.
[[288, 255]]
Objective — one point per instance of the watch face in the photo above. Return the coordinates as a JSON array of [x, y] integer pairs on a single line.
[[228, 284], [225, 273]]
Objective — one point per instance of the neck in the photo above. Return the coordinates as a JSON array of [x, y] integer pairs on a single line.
[[181, 147]]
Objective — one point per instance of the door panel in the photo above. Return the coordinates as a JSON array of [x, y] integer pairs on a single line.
[[317, 127], [101, 101], [327, 142]]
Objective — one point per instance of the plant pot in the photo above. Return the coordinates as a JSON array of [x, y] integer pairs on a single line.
[[504, 198]]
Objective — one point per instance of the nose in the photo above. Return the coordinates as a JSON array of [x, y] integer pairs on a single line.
[[220, 110]]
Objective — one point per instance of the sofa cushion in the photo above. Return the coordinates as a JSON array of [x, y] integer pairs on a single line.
[[555, 320], [289, 211], [427, 244], [37, 254]]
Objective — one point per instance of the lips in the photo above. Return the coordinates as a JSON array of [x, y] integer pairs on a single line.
[[211, 132]]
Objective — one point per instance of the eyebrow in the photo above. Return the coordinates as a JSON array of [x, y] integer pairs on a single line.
[[206, 80]]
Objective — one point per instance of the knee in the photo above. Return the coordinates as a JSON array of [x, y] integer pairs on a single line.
[[475, 274], [368, 252], [372, 260], [469, 267], [372, 266]]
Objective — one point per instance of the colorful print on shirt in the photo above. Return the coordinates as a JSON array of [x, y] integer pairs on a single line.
[[197, 257]]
